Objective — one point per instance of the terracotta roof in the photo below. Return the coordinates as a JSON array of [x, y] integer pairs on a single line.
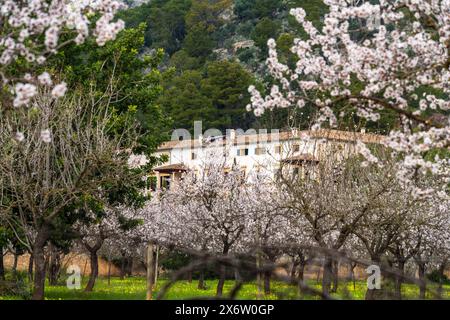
[[300, 158], [171, 168], [280, 136]]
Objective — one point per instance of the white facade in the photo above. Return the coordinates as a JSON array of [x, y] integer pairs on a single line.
[[258, 151]]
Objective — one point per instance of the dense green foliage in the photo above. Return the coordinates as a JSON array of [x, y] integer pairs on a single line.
[[231, 36], [120, 68], [217, 95], [207, 44]]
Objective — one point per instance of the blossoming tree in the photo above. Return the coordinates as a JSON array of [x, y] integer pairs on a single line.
[[368, 58], [42, 181], [34, 30]]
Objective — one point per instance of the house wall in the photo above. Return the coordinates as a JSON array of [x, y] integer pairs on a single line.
[[318, 148]]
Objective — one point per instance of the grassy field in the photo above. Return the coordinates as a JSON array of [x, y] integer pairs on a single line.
[[134, 288]]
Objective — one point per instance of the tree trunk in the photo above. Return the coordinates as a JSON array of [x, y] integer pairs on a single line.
[[237, 275], [441, 271], [318, 275], [293, 267], [30, 268], [122, 268], [109, 267], [352, 271], [259, 275], [39, 262], [399, 280], [94, 270], [150, 271], [301, 271], [201, 280], [109, 273], [373, 294], [327, 275], [156, 264], [300, 277], [267, 275], [129, 269], [14, 267], [2, 267], [335, 276], [422, 285], [221, 282], [54, 267]]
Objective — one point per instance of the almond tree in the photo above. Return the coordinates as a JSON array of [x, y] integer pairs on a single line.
[[48, 174], [93, 231], [331, 201], [430, 238], [267, 227], [31, 31], [391, 216], [205, 212], [372, 58]]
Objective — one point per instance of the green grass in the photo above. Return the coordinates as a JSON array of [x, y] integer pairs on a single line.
[[134, 288]]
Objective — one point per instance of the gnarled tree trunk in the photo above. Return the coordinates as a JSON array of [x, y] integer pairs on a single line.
[[441, 271], [14, 266], [221, 282], [422, 284], [122, 267], [39, 261], [93, 258], [54, 266], [301, 271], [373, 294], [267, 275], [30, 267], [94, 270], [201, 280], [327, 275], [222, 273], [335, 276], [2, 267], [150, 271], [399, 279]]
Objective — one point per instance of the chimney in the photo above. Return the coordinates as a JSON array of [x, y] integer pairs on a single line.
[[363, 130], [232, 135]]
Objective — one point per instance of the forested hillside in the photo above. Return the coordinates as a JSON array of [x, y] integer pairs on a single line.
[[213, 51]]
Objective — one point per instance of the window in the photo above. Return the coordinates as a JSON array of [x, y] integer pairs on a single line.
[[165, 182], [260, 151], [193, 156], [296, 148], [242, 152], [277, 149]]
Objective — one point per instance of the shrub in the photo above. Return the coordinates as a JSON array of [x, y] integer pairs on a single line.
[[437, 277]]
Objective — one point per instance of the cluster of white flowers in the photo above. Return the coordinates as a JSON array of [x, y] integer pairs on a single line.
[[31, 30], [46, 136], [390, 64], [45, 79], [59, 90], [137, 160], [24, 93]]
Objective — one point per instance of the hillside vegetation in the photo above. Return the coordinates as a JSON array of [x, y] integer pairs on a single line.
[[214, 50]]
